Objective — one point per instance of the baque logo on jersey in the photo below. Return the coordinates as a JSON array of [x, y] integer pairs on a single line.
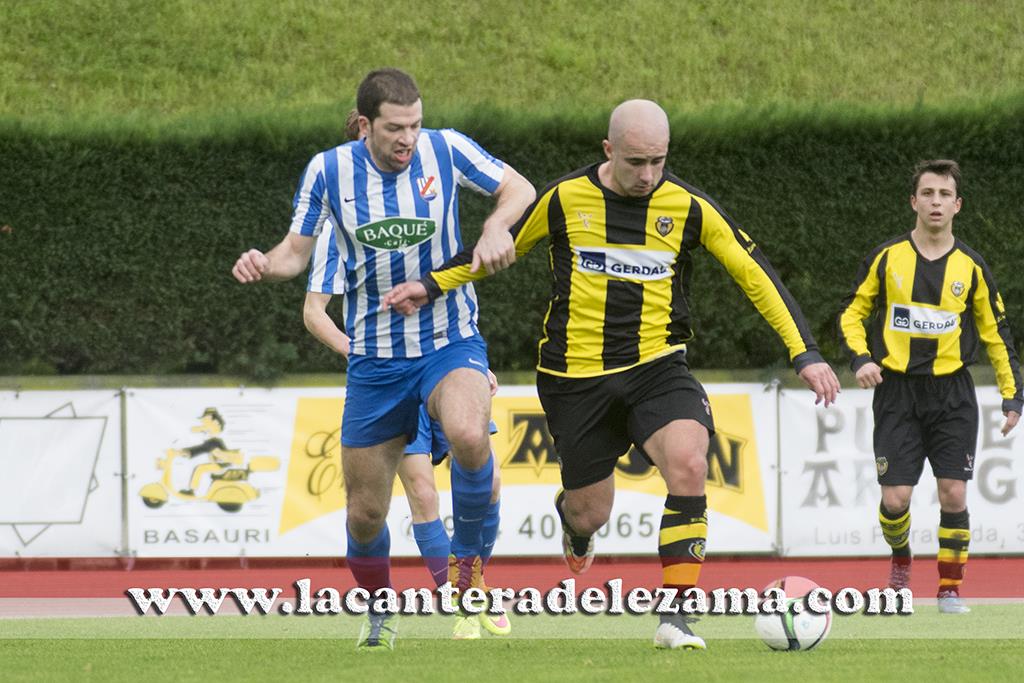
[[930, 321], [427, 188], [396, 233], [628, 264]]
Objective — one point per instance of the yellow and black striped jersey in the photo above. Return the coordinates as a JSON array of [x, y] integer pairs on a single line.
[[928, 316], [620, 268]]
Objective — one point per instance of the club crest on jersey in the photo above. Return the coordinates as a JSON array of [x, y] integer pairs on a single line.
[[882, 465], [957, 288], [427, 188], [665, 225]]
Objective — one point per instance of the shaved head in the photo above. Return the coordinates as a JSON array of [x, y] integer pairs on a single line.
[[636, 147], [641, 118]]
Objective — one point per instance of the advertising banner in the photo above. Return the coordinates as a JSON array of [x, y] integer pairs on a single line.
[[223, 472], [830, 494], [60, 474]]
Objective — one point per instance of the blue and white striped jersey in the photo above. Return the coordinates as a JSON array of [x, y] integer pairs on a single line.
[[324, 275], [394, 227]]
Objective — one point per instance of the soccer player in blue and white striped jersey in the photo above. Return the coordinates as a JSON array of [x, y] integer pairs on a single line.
[[428, 450], [392, 197]]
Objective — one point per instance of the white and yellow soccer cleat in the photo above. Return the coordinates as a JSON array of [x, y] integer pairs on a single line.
[[674, 634], [378, 633]]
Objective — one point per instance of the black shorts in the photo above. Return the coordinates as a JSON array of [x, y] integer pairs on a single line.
[[594, 420], [921, 416]]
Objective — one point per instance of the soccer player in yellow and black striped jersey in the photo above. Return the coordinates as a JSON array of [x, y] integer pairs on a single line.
[[612, 369], [933, 300]]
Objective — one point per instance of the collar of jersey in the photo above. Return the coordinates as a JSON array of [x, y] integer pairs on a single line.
[[913, 245]]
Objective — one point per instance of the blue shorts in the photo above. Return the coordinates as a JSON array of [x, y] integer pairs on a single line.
[[430, 439], [383, 395]]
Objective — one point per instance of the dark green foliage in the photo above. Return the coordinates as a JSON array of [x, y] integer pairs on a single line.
[[120, 251]]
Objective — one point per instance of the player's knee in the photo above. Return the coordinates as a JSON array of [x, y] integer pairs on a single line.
[[589, 522], [953, 498], [365, 520], [687, 468], [423, 498], [895, 501], [470, 444], [587, 517]]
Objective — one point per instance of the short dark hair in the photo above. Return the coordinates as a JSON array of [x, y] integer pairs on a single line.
[[943, 167], [385, 85]]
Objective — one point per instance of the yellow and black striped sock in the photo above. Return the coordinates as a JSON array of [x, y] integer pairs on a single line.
[[896, 531], [954, 537], [684, 531]]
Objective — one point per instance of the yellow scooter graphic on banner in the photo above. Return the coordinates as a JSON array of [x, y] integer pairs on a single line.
[[229, 488]]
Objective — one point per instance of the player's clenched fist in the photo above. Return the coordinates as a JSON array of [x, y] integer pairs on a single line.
[[869, 375], [251, 266], [406, 298]]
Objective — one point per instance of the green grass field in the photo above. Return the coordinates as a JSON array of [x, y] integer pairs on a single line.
[[986, 644], [141, 63]]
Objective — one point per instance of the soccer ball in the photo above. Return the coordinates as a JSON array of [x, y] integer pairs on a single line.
[[798, 628]]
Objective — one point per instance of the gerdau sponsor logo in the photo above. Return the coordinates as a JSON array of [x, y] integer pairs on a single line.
[[396, 233]]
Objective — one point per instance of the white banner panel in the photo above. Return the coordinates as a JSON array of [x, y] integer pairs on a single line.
[[223, 472], [60, 491], [209, 472], [830, 492]]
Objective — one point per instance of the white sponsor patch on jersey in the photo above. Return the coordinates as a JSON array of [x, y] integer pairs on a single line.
[[628, 264], [918, 320]]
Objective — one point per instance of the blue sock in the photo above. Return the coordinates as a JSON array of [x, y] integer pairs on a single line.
[[471, 494], [370, 562], [435, 546], [490, 530]]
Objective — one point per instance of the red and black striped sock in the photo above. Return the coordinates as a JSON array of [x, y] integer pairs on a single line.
[[954, 538]]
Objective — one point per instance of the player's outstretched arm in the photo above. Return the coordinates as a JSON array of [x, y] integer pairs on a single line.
[[821, 379], [283, 262], [406, 298], [495, 250]]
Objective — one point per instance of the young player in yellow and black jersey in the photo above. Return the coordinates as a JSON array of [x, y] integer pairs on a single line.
[[933, 301], [612, 371]]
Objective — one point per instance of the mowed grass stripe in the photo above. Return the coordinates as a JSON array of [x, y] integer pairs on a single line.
[[205, 660], [142, 61]]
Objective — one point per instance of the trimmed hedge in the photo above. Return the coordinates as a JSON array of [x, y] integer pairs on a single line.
[[119, 254]]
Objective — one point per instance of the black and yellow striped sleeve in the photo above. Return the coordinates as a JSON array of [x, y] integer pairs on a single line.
[[857, 308], [750, 268], [994, 331], [530, 229]]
